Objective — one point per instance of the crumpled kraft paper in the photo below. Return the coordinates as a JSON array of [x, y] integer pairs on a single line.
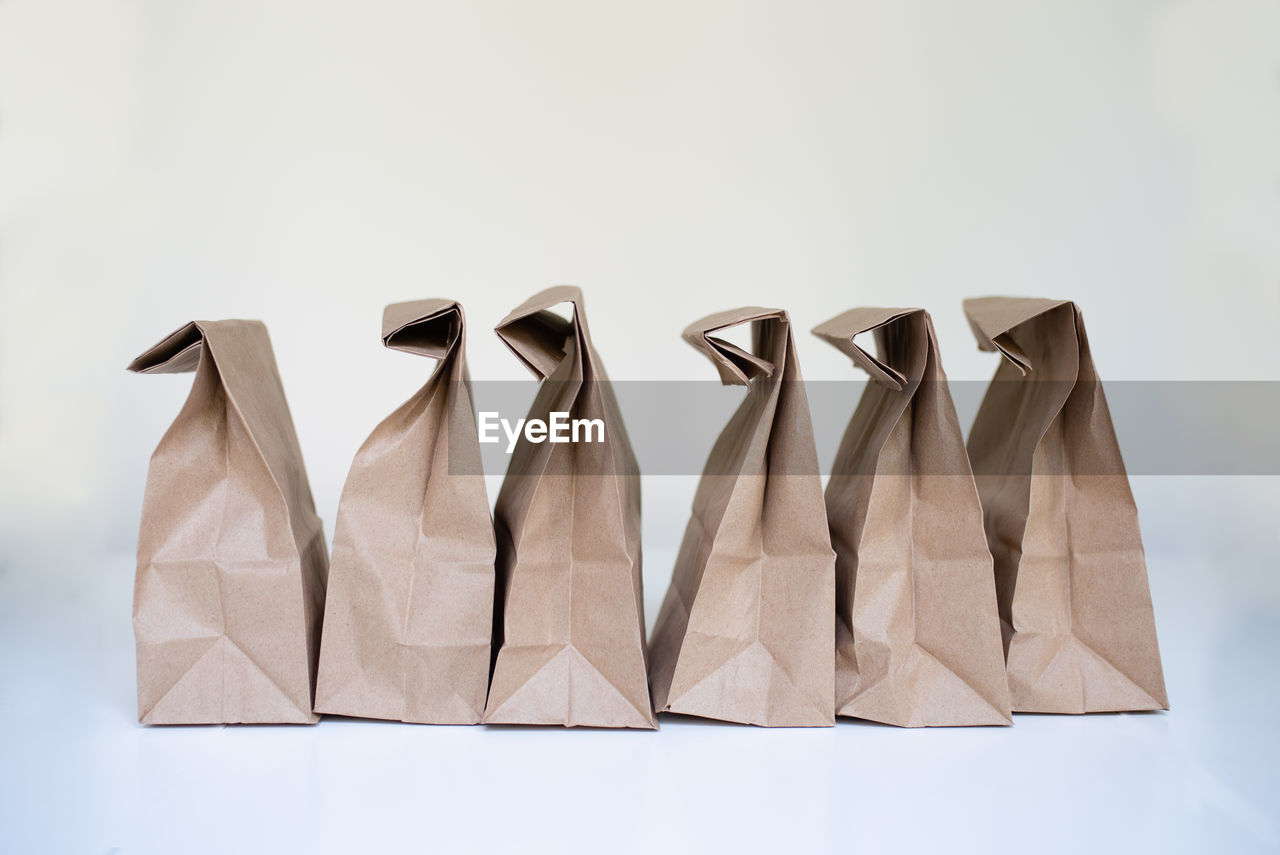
[[409, 611], [231, 555], [1071, 577], [746, 631], [917, 635]]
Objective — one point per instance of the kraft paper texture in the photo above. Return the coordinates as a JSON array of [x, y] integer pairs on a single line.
[[231, 555], [569, 606], [917, 634], [747, 630], [1071, 578], [410, 601]]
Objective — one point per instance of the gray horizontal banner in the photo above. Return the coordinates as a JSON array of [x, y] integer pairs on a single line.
[[1163, 427]]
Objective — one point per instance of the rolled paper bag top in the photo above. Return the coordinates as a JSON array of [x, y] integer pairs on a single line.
[[433, 328], [1071, 577], [569, 608], [841, 332], [993, 319], [917, 633], [540, 338], [231, 554], [770, 330], [409, 613], [746, 631]]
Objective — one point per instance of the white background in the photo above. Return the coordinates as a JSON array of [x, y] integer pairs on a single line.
[[308, 162]]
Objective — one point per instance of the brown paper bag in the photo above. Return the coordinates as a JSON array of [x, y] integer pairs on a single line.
[[409, 609], [1071, 579], [231, 555], [917, 633], [570, 610], [746, 632]]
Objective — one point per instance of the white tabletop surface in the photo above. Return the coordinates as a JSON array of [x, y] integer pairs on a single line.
[[80, 775]]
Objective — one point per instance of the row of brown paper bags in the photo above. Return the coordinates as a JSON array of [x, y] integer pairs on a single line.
[[908, 620]]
